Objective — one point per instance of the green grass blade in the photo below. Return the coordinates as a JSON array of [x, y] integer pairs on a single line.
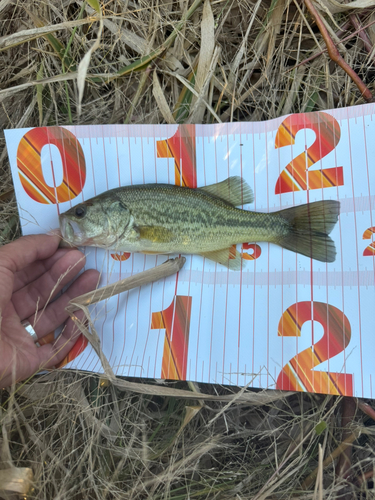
[[95, 5], [182, 107]]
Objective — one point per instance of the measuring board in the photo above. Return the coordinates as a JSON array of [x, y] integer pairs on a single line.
[[283, 321]]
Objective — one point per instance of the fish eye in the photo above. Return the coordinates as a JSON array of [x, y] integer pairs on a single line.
[[80, 211]]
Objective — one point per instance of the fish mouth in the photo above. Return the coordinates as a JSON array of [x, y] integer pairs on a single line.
[[74, 234], [71, 231]]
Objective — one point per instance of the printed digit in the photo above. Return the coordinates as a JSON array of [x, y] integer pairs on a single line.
[[298, 374], [296, 176], [181, 147], [370, 249], [176, 319], [255, 254], [256, 251], [30, 165], [121, 256], [176, 322]]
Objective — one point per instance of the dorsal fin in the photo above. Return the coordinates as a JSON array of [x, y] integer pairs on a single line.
[[233, 190]]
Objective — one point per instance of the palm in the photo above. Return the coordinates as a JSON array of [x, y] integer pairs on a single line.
[[32, 273]]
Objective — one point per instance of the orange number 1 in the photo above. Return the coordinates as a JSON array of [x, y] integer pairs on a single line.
[[176, 322], [176, 319]]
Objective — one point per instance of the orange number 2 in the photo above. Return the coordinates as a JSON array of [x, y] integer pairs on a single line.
[[298, 374], [296, 176]]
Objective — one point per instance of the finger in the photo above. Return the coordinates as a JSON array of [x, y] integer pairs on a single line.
[[17, 255], [55, 315], [35, 295], [36, 269], [6, 286], [24, 359], [27, 249], [18, 354], [52, 354]]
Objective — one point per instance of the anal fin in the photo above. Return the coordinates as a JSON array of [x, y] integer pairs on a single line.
[[228, 257]]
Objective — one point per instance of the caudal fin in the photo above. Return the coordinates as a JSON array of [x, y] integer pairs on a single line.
[[310, 226]]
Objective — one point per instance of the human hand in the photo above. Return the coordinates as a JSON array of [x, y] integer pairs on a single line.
[[32, 272]]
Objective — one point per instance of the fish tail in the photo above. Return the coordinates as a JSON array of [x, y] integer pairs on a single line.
[[309, 227]]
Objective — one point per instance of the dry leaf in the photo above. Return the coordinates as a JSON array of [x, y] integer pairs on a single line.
[[197, 117], [161, 100], [84, 64], [204, 62], [26, 35]]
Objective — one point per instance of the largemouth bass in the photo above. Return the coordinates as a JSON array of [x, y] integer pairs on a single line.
[[164, 219]]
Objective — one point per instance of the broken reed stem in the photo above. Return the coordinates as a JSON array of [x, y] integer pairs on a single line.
[[166, 269], [335, 55]]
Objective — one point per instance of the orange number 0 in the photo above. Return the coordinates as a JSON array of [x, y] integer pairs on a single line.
[[30, 165]]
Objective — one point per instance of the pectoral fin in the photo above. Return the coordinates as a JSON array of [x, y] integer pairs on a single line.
[[228, 257], [233, 190], [156, 234]]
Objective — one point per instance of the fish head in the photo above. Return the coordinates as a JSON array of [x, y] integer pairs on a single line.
[[98, 222]]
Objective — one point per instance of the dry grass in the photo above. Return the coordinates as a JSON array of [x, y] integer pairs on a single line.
[[83, 437]]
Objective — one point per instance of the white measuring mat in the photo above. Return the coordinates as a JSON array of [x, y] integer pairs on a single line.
[[283, 321]]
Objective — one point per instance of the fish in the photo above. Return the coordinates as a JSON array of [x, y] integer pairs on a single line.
[[206, 221]]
